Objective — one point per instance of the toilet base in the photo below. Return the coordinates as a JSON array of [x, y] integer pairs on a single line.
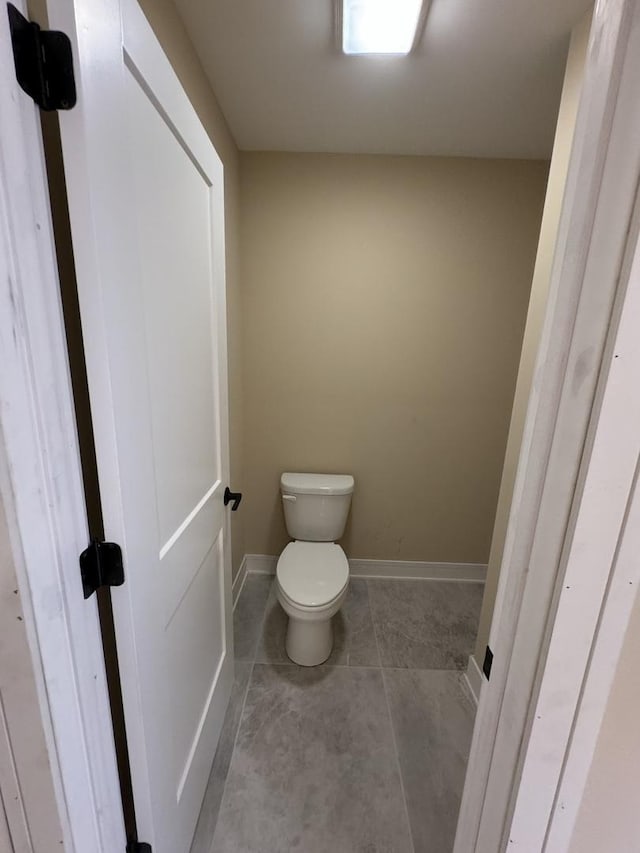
[[309, 643], [309, 637]]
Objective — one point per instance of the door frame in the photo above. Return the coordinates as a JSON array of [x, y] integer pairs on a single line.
[[48, 518], [41, 488], [570, 405]]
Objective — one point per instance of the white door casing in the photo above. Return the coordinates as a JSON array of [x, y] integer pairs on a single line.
[[41, 491], [146, 204], [555, 456]]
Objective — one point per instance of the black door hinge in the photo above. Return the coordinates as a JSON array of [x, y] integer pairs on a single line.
[[101, 565], [44, 62], [488, 663], [138, 847]]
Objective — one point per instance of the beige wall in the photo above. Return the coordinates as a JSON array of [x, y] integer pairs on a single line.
[[609, 816], [169, 30], [384, 301], [535, 315]]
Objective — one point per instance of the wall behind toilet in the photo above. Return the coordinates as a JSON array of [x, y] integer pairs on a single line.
[[384, 301]]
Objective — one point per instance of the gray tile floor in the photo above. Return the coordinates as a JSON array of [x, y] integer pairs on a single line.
[[364, 754]]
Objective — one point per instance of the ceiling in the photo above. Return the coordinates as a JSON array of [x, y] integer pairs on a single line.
[[485, 80]]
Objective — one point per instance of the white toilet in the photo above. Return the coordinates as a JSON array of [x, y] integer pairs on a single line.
[[312, 575]]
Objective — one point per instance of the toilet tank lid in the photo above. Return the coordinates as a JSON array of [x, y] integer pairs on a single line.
[[317, 484]]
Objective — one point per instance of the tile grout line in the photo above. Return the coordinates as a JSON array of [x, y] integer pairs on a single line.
[[391, 726], [263, 621], [373, 625], [399, 766]]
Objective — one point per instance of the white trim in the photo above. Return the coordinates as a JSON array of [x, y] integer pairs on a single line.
[[599, 565], [41, 488], [171, 541], [593, 229], [598, 681], [408, 570], [474, 678], [260, 564], [27, 795], [238, 581], [392, 569]]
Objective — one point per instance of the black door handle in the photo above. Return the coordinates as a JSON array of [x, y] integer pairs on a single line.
[[229, 496]]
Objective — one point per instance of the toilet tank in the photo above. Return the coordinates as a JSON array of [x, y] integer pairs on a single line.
[[316, 506]]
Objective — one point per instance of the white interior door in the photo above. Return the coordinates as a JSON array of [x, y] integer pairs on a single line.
[[146, 205]]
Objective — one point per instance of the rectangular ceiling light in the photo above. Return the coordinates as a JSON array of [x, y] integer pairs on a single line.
[[379, 26]]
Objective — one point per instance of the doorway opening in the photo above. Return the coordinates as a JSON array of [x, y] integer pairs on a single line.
[[450, 607]]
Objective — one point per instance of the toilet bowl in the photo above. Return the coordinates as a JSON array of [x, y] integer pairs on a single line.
[[312, 575], [311, 583]]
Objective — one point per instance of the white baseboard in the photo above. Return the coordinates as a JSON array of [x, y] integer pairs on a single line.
[[394, 569], [238, 581], [260, 564], [473, 677], [408, 570]]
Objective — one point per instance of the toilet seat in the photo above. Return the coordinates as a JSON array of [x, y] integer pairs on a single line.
[[312, 574]]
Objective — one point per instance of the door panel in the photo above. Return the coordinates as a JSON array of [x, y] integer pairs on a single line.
[[194, 636], [173, 230], [146, 206]]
